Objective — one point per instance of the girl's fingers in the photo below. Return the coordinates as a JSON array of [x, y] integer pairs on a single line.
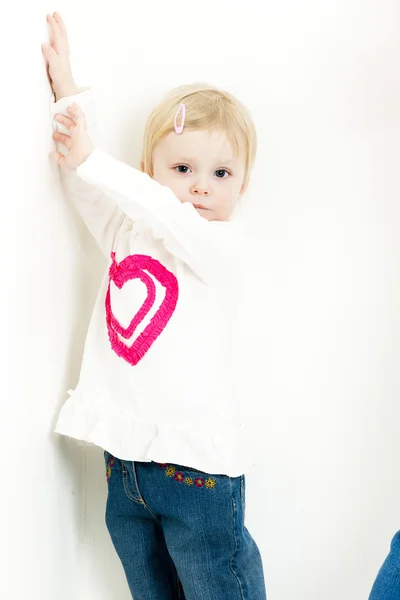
[[60, 22], [56, 35], [69, 123], [54, 26], [45, 50], [63, 139], [57, 157], [77, 113], [50, 53]]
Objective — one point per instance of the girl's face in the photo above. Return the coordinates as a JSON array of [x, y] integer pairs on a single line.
[[200, 167]]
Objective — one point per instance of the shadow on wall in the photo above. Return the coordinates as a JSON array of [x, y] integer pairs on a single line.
[[83, 465], [70, 453]]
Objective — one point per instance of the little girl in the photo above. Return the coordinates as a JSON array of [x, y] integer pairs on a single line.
[[156, 389]]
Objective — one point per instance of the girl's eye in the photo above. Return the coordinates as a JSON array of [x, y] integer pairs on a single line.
[[221, 173], [182, 169]]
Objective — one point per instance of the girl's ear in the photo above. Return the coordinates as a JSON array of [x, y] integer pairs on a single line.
[[142, 166]]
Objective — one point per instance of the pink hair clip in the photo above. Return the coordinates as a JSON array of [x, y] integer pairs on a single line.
[[182, 108]]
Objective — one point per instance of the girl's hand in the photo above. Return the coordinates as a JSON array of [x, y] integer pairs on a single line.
[[57, 55], [77, 141]]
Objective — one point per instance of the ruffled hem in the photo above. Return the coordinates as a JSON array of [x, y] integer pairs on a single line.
[[223, 450]]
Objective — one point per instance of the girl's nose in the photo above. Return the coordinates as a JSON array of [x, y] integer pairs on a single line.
[[199, 191]]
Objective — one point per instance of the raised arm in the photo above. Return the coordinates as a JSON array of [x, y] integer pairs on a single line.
[[102, 216], [208, 248]]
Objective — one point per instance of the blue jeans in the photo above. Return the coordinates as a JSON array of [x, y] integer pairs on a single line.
[[387, 583], [180, 533]]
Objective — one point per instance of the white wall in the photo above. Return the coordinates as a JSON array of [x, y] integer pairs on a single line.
[[45, 303], [322, 80]]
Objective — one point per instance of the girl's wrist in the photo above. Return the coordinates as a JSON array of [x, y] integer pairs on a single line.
[[66, 90]]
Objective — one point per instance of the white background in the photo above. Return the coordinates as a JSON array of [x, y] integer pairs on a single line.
[[321, 362]]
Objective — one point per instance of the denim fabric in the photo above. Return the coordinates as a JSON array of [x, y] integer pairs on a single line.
[[387, 583], [180, 533]]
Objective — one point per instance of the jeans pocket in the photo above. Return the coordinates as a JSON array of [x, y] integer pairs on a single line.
[[190, 476], [191, 470]]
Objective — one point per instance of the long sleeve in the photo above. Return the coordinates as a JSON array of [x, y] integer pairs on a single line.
[[208, 248], [101, 214]]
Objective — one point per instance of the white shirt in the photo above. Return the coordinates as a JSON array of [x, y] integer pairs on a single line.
[[157, 381]]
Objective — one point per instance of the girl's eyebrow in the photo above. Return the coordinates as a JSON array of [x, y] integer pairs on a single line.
[[191, 160], [183, 159]]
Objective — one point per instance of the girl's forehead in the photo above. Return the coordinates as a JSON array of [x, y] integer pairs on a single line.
[[192, 143]]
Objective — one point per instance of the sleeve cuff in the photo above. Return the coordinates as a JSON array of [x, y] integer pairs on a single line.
[[93, 165], [85, 99]]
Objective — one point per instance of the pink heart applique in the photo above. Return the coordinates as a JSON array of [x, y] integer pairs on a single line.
[[139, 266]]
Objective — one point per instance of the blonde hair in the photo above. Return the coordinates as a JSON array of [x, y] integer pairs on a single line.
[[207, 108]]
